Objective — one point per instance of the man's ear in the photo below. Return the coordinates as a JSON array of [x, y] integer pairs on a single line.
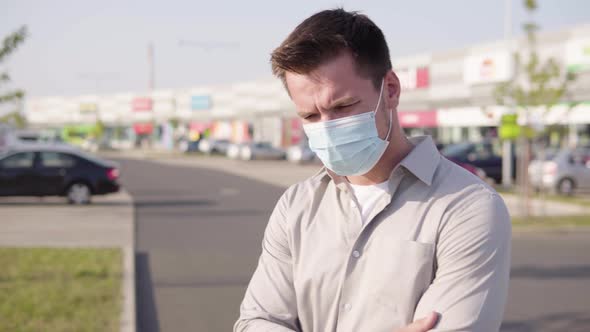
[[393, 89]]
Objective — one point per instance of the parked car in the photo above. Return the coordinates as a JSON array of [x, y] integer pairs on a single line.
[[187, 146], [300, 154], [234, 151], [211, 146], [480, 173], [261, 150], [54, 171], [481, 155], [563, 171]]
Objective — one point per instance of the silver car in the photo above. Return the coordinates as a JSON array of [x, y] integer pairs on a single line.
[[563, 171], [210, 146], [300, 154], [261, 150]]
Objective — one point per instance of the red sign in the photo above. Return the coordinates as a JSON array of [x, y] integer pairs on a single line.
[[142, 104], [418, 119], [199, 126], [414, 78], [422, 78], [143, 128]]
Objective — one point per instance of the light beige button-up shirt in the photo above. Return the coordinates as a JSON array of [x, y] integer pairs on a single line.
[[440, 241]]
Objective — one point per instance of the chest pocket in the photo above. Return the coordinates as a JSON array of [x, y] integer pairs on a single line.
[[402, 279]]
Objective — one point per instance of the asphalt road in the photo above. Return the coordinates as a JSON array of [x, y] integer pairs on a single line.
[[549, 283], [198, 238], [198, 234]]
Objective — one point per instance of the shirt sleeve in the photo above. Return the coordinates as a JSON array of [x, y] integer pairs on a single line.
[[269, 303], [470, 286]]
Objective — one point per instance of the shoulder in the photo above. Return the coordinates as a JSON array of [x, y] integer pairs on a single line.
[[305, 191], [468, 201]]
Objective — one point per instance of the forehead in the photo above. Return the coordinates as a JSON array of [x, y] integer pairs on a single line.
[[332, 79]]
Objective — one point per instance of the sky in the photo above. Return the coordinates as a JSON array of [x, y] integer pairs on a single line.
[[88, 47]]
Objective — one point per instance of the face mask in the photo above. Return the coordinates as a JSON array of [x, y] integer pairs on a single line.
[[349, 145]]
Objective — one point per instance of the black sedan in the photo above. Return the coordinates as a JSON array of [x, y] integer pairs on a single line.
[[481, 155], [54, 171]]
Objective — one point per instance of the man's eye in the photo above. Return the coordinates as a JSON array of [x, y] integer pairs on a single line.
[[309, 117], [339, 107]]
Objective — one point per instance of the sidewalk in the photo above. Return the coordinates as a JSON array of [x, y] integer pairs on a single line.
[[543, 207], [50, 222], [283, 174]]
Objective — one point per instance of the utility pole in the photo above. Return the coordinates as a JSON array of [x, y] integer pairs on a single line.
[[507, 144]]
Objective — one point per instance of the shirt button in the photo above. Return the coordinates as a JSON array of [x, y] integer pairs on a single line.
[[347, 307], [356, 254]]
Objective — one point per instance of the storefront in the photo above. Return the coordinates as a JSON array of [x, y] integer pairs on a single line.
[[472, 124], [143, 121], [418, 123]]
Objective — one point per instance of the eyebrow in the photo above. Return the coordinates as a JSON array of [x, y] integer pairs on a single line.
[[338, 102]]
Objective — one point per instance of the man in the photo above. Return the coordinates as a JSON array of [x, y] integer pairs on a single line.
[[389, 235]]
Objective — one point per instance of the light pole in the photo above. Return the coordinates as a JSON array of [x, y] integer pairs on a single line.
[[507, 144]]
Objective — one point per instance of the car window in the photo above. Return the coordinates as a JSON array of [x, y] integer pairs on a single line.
[[579, 157], [483, 151], [456, 150], [56, 159], [548, 154], [19, 160]]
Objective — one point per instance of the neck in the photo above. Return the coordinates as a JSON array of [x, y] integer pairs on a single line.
[[398, 148]]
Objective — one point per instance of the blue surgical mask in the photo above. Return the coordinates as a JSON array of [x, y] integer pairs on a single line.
[[349, 145]]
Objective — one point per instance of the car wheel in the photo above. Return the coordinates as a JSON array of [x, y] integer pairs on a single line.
[[566, 187], [79, 193]]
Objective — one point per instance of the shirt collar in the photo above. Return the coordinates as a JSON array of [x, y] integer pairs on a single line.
[[422, 162]]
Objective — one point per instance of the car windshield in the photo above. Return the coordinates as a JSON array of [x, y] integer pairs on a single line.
[[455, 149], [547, 155]]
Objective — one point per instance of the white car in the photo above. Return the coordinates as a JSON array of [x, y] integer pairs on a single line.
[[300, 154], [261, 150], [234, 151]]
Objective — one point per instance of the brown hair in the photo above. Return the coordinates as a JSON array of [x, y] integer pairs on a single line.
[[325, 35]]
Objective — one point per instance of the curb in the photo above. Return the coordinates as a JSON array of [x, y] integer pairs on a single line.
[[128, 315], [540, 229]]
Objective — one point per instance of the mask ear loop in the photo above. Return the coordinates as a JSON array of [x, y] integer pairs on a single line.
[[380, 95], [390, 111], [390, 124]]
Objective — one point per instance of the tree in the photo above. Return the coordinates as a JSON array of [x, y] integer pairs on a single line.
[[12, 97], [98, 131], [14, 119], [538, 85]]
